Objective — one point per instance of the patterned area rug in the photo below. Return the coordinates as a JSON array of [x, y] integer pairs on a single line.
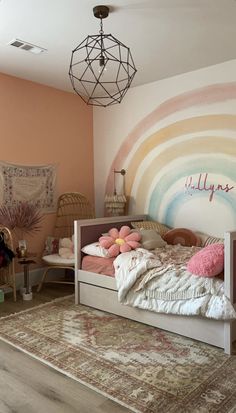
[[143, 368]]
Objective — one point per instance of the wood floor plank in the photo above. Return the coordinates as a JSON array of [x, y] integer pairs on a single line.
[[48, 293], [29, 386]]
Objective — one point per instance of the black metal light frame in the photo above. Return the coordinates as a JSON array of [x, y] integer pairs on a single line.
[[93, 58]]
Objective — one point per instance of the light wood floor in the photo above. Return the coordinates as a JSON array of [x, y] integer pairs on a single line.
[[28, 386], [48, 293]]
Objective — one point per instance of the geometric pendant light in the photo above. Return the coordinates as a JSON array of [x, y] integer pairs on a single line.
[[101, 68]]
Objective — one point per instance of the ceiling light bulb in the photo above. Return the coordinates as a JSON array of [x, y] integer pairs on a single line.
[[102, 67], [101, 60]]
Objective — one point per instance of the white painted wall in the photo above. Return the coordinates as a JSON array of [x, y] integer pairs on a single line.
[[112, 125]]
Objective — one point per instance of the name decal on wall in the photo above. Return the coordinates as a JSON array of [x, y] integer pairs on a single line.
[[201, 184]]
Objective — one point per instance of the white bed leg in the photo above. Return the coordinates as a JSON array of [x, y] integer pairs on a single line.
[[77, 293], [228, 337]]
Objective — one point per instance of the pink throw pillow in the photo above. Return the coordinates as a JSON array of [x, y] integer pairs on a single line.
[[208, 262]]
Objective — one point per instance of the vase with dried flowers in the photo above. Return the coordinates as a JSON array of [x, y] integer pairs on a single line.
[[22, 219]]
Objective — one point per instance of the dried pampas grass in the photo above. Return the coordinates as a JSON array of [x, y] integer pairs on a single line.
[[22, 217]]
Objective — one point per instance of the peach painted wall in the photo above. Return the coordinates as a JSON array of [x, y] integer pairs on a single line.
[[42, 125]]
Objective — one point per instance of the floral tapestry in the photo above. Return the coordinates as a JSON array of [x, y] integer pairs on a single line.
[[34, 184]]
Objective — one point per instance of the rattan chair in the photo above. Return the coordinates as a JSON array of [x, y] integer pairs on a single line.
[[71, 206], [7, 274]]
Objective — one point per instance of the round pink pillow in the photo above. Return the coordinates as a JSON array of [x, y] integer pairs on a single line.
[[207, 262]]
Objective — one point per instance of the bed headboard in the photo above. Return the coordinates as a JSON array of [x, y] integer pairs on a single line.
[[89, 230]]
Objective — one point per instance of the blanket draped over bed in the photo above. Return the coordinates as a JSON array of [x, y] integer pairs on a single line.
[[159, 281]]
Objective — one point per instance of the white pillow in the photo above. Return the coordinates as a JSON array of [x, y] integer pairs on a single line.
[[151, 239], [96, 250]]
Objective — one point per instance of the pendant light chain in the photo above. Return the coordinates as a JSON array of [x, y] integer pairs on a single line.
[[101, 26]]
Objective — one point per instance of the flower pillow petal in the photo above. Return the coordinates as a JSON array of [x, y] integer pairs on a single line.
[[207, 262], [106, 242], [113, 250], [124, 231]]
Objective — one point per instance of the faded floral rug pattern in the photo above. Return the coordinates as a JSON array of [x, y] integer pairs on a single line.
[[143, 368]]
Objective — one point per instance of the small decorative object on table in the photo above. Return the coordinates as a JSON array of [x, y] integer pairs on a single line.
[[21, 249]]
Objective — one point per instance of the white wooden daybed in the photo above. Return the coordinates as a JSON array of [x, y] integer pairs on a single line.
[[100, 291]]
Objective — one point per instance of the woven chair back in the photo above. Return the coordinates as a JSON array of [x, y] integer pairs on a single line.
[[7, 273], [71, 206]]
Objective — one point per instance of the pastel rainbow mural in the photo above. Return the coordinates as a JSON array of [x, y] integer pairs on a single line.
[[181, 161]]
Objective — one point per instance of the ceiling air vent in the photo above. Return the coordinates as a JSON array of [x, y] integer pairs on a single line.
[[32, 48]]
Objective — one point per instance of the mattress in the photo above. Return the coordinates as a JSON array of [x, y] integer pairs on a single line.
[[99, 265]]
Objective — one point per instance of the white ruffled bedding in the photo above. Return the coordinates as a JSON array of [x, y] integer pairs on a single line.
[[159, 281]]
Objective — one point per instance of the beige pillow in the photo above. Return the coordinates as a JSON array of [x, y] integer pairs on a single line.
[[151, 239], [157, 226]]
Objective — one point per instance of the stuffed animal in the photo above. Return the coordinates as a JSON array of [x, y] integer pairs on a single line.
[[66, 249], [120, 241]]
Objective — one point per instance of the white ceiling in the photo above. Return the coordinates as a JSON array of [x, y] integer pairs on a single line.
[[166, 37]]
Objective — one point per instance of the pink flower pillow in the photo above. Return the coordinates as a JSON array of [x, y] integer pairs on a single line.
[[120, 241], [207, 262]]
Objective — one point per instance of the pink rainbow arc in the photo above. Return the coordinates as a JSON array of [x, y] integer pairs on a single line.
[[202, 96]]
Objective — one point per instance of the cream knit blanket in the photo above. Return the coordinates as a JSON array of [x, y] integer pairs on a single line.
[[159, 281]]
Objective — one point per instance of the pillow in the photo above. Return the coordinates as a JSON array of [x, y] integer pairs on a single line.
[[208, 239], [208, 262], [95, 249], [119, 241], [161, 228], [213, 240], [51, 246], [151, 239], [182, 236]]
